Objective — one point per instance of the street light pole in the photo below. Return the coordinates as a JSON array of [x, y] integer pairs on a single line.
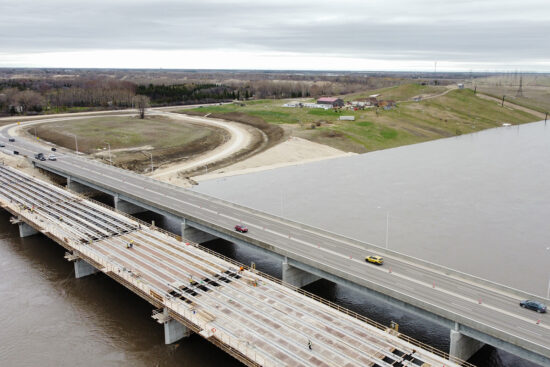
[[110, 160], [151, 154], [548, 289], [387, 227], [75, 142]]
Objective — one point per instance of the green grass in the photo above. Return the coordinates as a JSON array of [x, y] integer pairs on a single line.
[[457, 112], [399, 93], [122, 132]]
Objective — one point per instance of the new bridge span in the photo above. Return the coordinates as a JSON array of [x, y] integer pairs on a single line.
[[475, 310], [253, 317]]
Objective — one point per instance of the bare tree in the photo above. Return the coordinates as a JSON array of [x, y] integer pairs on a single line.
[[141, 102]]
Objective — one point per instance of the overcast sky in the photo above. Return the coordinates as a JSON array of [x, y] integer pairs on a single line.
[[461, 35]]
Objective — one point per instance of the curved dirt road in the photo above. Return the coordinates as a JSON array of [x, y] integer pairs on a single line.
[[240, 139]]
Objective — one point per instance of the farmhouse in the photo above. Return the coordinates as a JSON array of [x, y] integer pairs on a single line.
[[334, 102]]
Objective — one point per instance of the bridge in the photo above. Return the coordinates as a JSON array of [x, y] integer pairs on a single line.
[[252, 316], [476, 311]]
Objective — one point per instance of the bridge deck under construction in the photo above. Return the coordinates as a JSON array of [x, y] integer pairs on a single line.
[[250, 315]]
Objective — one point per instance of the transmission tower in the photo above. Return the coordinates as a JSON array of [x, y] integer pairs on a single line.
[[519, 93]]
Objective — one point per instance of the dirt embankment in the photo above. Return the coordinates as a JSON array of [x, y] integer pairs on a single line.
[[275, 134], [272, 135]]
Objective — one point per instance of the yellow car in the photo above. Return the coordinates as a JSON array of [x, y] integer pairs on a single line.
[[374, 259]]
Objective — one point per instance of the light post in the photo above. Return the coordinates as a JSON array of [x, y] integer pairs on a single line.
[[75, 142], [110, 160], [548, 290], [387, 228], [151, 154]]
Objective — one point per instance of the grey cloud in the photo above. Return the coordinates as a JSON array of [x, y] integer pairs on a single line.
[[424, 29]]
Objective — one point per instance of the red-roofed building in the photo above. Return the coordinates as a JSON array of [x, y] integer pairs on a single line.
[[334, 102]]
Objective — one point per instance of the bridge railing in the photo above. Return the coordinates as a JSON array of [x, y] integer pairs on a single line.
[[315, 297], [333, 305]]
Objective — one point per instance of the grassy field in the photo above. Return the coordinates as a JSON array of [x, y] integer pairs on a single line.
[[536, 89], [455, 113], [129, 137]]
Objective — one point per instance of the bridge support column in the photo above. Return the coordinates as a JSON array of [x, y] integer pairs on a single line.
[[173, 330], [297, 277], [83, 269], [193, 234], [463, 346], [78, 187], [127, 207], [25, 230]]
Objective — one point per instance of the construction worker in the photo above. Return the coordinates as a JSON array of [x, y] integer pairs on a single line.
[[309, 344]]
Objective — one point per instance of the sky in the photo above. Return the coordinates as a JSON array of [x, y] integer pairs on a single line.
[[402, 35]]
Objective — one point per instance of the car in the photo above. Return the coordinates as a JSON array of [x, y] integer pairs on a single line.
[[11, 140], [52, 157], [2, 145], [15, 152], [375, 259], [54, 149], [241, 228], [533, 305], [38, 155]]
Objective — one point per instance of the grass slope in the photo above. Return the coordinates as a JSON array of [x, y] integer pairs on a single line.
[[457, 112]]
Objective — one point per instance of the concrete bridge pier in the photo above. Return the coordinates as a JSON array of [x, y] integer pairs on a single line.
[[193, 234], [127, 207], [77, 186], [25, 230], [462, 346], [173, 330], [297, 277], [83, 269]]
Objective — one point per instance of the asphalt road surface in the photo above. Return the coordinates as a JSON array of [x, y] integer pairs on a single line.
[[485, 307]]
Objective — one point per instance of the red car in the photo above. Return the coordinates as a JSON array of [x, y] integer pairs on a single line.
[[241, 228]]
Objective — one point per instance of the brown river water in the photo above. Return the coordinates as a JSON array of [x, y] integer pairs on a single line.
[[483, 197]]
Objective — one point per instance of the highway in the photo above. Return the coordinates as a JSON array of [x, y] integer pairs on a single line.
[[252, 316], [489, 309]]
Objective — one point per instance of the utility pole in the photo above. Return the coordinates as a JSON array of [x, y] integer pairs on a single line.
[[502, 104], [110, 160], [520, 89]]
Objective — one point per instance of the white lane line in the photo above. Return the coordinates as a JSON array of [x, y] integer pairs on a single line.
[[439, 289], [528, 331]]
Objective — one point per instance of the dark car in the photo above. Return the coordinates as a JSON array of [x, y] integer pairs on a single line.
[[241, 228], [11, 139], [54, 149], [533, 305], [15, 152]]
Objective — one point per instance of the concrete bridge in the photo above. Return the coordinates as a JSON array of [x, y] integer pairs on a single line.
[[252, 316], [476, 311]]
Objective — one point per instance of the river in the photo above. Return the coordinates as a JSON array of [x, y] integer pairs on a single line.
[[477, 203]]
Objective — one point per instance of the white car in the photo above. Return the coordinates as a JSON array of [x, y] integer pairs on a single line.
[[52, 157]]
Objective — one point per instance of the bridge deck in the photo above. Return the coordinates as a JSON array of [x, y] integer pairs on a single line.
[[268, 323]]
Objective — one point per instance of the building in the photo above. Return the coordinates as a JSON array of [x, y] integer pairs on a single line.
[[387, 102], [334, 102], [347, 118]]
